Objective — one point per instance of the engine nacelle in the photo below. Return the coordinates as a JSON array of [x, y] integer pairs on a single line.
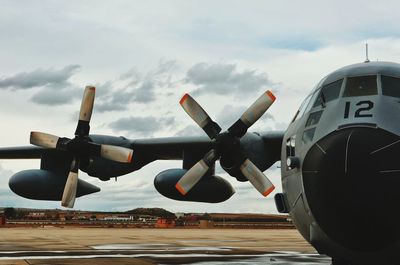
[[211, 189], [105, 169], [262, 154], [232, 169], [46, 185]]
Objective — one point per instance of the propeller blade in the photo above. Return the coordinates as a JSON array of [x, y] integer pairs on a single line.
[[195, 173], [116, 153], [44, 140], [200, 116], [187, 182], [257, 178], [258, 108], [252, 114], [85, 112], [68, 198], [87, 103], [69, 195]]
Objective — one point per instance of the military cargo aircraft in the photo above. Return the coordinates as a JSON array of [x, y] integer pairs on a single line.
[[340, 171]]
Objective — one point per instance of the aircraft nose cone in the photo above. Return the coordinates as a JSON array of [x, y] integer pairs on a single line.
[[351, 179]]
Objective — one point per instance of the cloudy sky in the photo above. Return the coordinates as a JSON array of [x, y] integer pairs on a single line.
[[143, 56]]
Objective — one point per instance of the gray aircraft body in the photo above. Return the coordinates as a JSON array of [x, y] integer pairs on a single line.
[[341, 189], [338, 162]]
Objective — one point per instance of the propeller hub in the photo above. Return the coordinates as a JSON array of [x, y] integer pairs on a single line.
[[79, 146], [228, 147], [226, 142]]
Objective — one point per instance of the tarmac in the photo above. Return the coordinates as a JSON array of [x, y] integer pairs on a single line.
[[57, 245]]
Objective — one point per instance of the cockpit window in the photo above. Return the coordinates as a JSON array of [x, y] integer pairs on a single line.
[[390, 86], [361, 86], [302, 108], [314, 118], [329, 92], [308, 135]]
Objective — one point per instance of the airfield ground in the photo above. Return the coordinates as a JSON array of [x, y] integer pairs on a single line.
[[30, 242]]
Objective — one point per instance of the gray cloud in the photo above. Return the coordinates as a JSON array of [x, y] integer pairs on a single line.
[[225, 79], [139, 88], [118, 100], [110, 106], [191, 130], [54, 85], [56, 96], [111, 95], [132, 75], [39, 78], [145, 92], [144, 126], [164, 67], [104, 89]]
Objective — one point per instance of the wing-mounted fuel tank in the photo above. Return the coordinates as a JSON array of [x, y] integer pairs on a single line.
[[211, 189], [46, 185], [48, 182]]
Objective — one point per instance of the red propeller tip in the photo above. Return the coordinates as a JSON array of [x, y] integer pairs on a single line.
[[183, 98], [268, 191], [271, 96], [92, 88], [180, 189], [130, 157]]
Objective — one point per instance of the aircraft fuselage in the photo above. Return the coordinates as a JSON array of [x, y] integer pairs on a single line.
[[341, 180]]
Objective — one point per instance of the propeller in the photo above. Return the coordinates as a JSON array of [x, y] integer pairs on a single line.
[[226, 144], [80, 146]]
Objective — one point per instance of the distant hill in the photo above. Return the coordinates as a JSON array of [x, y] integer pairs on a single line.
[[160, 212]]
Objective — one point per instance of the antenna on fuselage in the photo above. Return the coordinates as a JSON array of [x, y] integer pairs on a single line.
[[366, 53]]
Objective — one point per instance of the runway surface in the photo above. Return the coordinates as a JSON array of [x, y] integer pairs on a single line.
[[154, 246]]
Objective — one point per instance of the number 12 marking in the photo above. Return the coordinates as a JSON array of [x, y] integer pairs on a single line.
[[365, 106]]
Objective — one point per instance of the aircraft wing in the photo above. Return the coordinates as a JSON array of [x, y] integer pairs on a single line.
[[49, 182], [21, 152], [170, 148]]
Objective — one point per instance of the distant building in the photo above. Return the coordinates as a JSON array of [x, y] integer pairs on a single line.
[[206, 224], [36, 215], [118, 218], [61, 217], [165, 222], [2, 219], [190, 220], [148, 219]]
